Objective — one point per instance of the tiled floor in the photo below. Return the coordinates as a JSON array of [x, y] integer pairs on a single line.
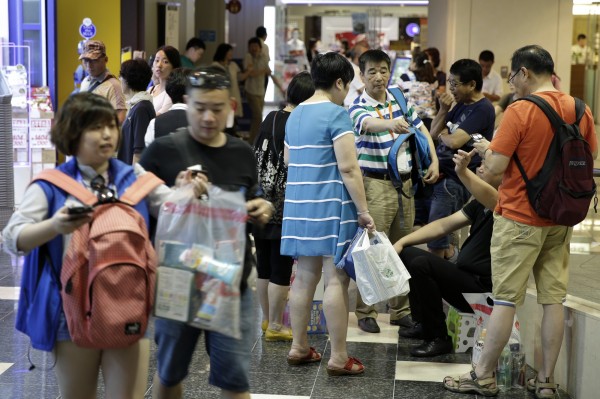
[[390, 371]]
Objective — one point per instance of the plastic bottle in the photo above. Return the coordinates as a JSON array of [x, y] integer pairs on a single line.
[[519, 365], [478, 348], [504, 370]]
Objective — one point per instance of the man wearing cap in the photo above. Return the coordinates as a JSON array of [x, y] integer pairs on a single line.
[[100, 81], [230, 164]]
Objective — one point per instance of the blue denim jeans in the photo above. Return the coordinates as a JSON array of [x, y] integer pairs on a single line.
[[229, 357], [448, 197]]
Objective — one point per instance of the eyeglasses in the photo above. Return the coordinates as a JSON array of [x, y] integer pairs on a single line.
[[510, 78], [104, 194], [453, 83], [207, 80]]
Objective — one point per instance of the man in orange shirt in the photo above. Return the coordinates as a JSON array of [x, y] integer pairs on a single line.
[[522, 241]]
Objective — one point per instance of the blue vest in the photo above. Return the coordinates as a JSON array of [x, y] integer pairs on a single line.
[[40, 304]]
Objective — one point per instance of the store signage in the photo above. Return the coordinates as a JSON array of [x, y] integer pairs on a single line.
[[39, 133], [19, 128], [87, 29], [208, 36]]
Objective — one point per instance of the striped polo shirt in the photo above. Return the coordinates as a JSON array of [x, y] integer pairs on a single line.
[[373, 148]]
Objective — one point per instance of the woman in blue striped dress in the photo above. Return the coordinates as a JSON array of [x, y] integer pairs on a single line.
[[324, 203]]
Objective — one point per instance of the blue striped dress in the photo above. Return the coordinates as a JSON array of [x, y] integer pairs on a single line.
[[319, 217]]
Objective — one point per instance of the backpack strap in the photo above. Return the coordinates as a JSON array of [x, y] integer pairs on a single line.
[[67, 184], [143, 185], [400, 99], [554, 119]]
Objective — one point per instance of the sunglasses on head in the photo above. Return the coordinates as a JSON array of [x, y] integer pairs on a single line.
[[207, 80]]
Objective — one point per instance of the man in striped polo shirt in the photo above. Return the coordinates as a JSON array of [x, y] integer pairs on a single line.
[[378, 119]]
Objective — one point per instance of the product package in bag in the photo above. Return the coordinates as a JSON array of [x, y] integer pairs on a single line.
[[200, 244], [380, 274], [483, 305]]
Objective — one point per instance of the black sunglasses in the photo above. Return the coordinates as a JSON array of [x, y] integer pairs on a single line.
[[207, 80], [104, 194]]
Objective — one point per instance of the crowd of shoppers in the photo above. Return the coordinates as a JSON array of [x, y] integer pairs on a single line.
[[316, 172]]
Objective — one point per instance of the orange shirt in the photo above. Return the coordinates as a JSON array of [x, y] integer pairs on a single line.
[[526, 130]]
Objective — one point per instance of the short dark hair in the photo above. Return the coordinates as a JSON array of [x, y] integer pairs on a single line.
[[468, 70], [222, 51], [136, 73], [534, 58], [194, 42], [208, 78], [581, 36], [424, 69], [80, 112], [176, 84], [254, 40], [327, 68], [374, 56], [434, 53], [261, 32], [300, 89], [487, 56], [172, 55]]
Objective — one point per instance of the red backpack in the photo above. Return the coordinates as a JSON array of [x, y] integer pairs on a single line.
[[563, 189], [109, 269]]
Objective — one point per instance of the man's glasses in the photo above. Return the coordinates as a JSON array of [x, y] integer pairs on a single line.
[[454, 83], [510, 78], [104, 194], [207, 80]]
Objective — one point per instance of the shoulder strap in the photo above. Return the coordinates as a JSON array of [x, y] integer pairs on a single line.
[[550, 113], [68, 184], [273, 137], [554, 118], [141, 188], [179, 139], [400, 99]]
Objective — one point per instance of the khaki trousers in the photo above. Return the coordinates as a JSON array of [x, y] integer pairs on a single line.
[[383, 202]]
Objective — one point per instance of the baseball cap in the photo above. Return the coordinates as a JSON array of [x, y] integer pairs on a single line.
[[93, 49]]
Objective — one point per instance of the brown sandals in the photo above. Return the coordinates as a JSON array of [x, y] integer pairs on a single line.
[[347, 369], [534, 385], [312, 357], [474, 385]]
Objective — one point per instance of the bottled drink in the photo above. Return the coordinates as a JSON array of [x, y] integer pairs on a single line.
[[478, 348], [519, 365], [504, 370]]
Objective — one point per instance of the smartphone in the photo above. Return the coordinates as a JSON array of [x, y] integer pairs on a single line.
[[79, 210], [195, 169], [475, 137]]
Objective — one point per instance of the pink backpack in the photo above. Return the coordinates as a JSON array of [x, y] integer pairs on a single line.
[[109, 270]]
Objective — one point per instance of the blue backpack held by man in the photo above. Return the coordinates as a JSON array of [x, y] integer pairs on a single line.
[[419, 148]]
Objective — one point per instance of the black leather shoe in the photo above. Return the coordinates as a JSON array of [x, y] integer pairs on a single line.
[[368, 324], [405, 321], [415, 332], [438, 346]]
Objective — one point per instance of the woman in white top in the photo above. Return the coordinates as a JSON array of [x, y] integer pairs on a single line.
[[166, 59]]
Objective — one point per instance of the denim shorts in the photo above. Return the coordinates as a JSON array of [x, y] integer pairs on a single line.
[[449, 196], [229, 357]]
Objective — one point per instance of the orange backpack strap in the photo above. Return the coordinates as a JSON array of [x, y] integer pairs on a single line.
[[68, 184], [141, 188]]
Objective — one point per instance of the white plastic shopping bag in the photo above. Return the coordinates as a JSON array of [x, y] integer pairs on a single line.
[[201, 245], [380, 274], [483, 305]]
